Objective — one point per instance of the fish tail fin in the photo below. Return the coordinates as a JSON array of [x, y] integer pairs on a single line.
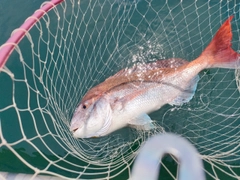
[[219, 52]]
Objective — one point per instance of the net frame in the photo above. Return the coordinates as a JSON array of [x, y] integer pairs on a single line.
[[17, 35]]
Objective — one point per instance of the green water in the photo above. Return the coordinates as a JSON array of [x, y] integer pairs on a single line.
[[167, 29]]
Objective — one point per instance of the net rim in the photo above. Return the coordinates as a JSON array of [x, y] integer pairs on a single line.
[[17, 35]]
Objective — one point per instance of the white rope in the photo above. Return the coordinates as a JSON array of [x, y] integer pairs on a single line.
[[78, 45]]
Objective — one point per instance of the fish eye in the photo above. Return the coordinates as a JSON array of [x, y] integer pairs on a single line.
[[84, 106]]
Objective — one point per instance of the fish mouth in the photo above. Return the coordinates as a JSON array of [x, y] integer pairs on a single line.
[[76, 123], [77, 133], [74, 127], [74, 130]]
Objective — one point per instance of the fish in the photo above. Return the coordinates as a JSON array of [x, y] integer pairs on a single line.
[[126, 98]]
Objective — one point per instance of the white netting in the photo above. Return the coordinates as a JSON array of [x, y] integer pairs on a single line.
[[80, 43]]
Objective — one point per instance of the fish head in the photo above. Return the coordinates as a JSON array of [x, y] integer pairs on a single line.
[[92, 118]]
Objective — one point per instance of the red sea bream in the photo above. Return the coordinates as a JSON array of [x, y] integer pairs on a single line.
[[126, 98]]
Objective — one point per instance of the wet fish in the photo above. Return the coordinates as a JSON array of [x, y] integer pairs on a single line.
[[126, 98]]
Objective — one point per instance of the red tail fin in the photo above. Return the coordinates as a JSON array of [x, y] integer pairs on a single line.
[[219, 52]]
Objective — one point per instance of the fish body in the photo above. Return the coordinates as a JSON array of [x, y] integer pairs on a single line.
[[126, 98]]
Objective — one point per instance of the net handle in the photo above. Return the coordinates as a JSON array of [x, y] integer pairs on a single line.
[[7, 48]]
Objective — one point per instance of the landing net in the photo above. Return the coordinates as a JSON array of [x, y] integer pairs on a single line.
[[78, 44]]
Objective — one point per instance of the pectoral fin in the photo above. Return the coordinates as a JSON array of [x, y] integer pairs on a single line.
[[119, 103], [187, 94], [143, 122]]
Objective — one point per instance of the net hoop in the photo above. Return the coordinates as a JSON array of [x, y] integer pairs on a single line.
[[18, 34]]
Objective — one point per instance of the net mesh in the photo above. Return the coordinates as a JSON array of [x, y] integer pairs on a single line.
[[77, 45]]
